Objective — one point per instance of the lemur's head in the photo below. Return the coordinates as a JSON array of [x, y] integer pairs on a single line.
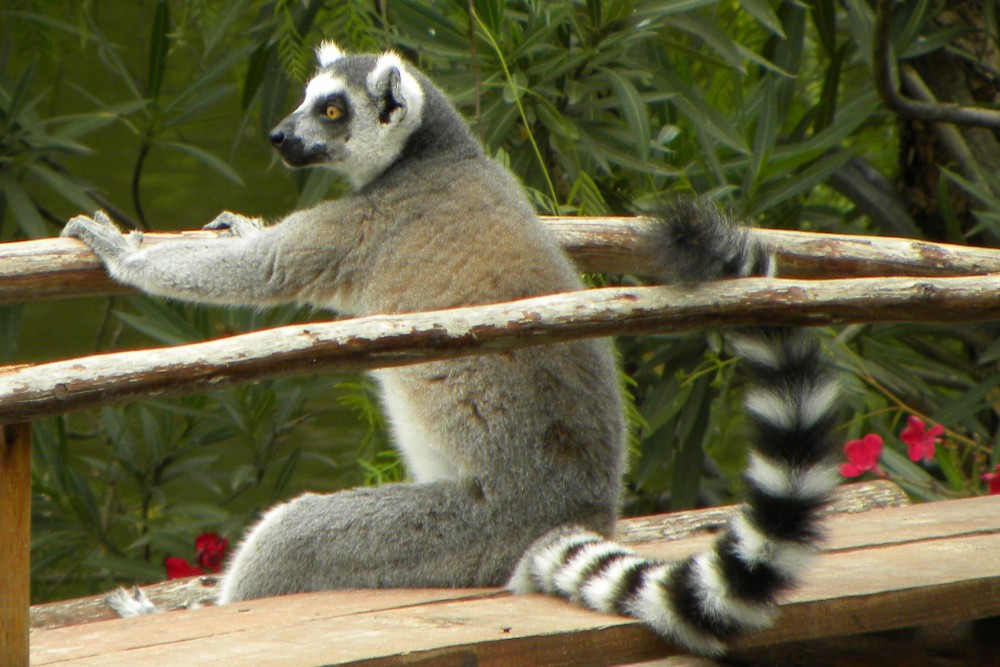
[[358, 112]]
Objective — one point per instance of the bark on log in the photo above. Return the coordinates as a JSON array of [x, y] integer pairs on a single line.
[[616, 245], [28, 392], [62, 268]]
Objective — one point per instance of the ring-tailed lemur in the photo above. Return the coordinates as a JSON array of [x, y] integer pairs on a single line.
[[515, 456]]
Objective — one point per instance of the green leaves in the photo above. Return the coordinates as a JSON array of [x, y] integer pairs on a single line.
[[633, 108], [599, 106], [159, 44]]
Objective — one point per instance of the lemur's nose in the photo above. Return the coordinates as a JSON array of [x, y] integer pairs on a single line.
[[277, 137]]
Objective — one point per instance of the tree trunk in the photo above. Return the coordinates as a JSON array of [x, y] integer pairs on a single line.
[[968, 79]]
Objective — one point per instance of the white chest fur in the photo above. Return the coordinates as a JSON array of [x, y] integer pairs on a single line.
[[424, 458]]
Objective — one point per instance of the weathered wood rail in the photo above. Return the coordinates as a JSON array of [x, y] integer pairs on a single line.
[[28, 392], [881, 570], [63, 268], [917, 281]]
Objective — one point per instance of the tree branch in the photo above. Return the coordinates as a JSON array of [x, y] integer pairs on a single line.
[[28, 392], [951, 138], [904, 106], [63, 268]]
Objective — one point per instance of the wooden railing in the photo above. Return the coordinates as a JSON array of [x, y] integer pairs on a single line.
[[867, 279]]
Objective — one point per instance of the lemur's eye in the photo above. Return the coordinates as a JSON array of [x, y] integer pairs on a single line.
[[333, 112]]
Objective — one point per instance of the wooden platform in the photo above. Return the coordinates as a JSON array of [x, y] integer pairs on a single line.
[[886, 569]]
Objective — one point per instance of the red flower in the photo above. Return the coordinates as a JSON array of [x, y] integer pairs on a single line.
[[178, 568], [920, 442], [862, 456], [993, 480], [211, 551]]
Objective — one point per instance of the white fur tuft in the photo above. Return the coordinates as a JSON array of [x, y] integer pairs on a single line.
[[719, 603], [756, 350], [413, 94], [542, 561], [129, 604], [784, 482], [774, 478], [601, 592], [755, 548], [818, 481], [568, 579], [320, 86], [818, 400], [328, 53], [652, 606], [770, 406]]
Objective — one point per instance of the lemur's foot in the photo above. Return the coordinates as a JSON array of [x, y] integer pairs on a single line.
[[129, 604]]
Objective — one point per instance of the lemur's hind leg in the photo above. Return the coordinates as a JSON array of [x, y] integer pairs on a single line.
[[438, 534]]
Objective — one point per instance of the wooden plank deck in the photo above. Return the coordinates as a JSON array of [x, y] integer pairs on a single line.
[[886, 569]]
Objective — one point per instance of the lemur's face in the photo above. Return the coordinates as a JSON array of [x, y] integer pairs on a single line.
[[355, 119]]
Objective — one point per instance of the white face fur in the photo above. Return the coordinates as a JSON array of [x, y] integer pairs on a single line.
[[356, 131]]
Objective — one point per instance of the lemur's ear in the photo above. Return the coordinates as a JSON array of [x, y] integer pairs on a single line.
[[328, 53], [399, 93]]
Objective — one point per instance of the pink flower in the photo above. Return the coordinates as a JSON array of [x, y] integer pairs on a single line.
[[210, 551], [993, 480], [920, 442], [862, 456], [178, 568]]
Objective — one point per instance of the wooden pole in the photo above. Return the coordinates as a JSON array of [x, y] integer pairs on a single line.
[[378, 341], [15, 542], [64, 268]]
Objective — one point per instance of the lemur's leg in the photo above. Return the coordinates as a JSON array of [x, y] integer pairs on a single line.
[[439, 534]]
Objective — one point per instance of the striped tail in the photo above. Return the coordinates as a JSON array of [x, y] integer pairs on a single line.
[[710, 598]]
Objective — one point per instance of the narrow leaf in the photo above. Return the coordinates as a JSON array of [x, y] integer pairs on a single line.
[[215, 163], [762, 11], [159, 44], [634, 110], [704, 116], [827, 107], [25, 212], [257, 68], [824, 16]]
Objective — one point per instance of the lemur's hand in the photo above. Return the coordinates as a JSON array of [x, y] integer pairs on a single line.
[[102, 236], [235, 224]]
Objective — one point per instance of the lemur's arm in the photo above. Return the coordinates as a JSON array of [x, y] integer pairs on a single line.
[[233, 269]]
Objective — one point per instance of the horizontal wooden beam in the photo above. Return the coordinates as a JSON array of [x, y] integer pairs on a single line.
[[28, 392], [618, 245], [882, 570], [200, 591], [63, 268]]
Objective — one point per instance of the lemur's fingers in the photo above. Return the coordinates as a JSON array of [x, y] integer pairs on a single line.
[[101, 217], [75, 226], [235, 224], [99, 232]]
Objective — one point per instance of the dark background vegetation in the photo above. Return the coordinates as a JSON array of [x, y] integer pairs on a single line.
[[157, 110]]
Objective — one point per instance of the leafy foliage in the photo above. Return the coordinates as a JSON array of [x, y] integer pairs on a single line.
[[600, 106]]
